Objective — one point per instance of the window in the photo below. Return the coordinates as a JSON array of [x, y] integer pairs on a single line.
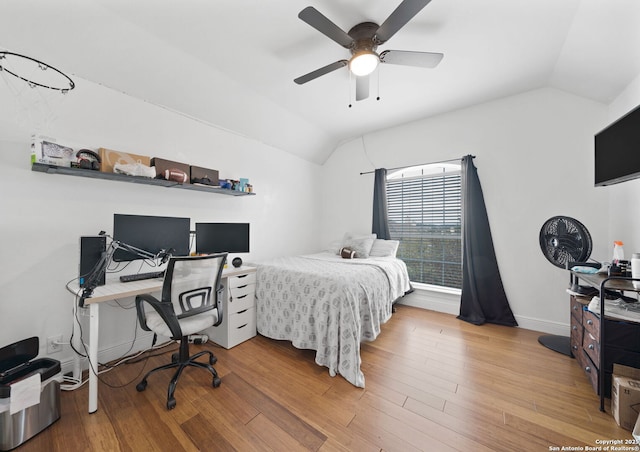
[[425, 210]]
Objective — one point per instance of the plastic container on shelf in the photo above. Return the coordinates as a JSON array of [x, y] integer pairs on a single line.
[[635, 269], [618, 252]]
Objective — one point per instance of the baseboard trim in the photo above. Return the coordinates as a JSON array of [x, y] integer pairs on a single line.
[[434, 301], [544, 326], [450, 304]]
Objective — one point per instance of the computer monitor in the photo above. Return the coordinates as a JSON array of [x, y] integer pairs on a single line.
[[221, 237], [150, 233]]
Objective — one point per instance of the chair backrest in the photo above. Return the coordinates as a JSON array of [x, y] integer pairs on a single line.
[[192, 283]]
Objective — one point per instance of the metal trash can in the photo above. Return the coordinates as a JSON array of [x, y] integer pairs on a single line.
[[23, 412]]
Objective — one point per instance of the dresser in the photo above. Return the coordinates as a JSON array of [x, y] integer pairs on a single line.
[[238, 307], [597, 344]]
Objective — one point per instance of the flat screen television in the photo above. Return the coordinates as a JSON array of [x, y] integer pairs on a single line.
[[617, 150], [221, 237], [151, 234]]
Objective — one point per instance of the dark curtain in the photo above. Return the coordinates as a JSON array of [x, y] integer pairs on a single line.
[[483, 298], [380, 224]]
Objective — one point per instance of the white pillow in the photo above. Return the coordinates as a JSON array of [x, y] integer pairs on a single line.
[[361, 245], [384, 248], [348, 236]]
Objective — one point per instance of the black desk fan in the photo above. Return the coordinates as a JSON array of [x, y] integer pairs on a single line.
[[565, 242]]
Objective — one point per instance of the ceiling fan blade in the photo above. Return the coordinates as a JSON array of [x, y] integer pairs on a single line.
[[408, 58], [318, 21], [322, 71], [398, 19], [362, 87]]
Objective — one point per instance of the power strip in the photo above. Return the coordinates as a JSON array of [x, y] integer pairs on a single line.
[[198, 339]]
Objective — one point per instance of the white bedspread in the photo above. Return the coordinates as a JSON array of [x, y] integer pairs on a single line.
[[328, 304]]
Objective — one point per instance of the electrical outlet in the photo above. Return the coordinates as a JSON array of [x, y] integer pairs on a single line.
[[54, 344]]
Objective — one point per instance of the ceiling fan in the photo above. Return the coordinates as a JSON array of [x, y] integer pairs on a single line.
[[363, 40]]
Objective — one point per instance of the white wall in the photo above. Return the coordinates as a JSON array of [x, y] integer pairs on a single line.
[[44, 215], [534, 154]]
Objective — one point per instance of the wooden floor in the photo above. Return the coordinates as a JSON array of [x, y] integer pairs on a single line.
[[433, 383]]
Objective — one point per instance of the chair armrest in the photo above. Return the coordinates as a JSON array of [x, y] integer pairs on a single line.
[[219, 295], [164, 309]]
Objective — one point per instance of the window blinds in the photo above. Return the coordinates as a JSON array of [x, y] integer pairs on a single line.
[[425, 216]]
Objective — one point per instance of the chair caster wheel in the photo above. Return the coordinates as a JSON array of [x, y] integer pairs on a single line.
[[174, 358], [216, 382], [213, 360], [171, 404], [141, 386]]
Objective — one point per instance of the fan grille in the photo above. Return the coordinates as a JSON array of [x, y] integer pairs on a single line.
[[564, 240]]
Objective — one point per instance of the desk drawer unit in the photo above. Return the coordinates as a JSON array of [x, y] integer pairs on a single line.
[[239, 322], [242, 326]]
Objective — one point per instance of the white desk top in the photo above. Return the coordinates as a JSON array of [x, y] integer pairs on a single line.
[[114, 288]]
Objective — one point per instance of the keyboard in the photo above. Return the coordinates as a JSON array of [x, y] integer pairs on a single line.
[[141, 276]]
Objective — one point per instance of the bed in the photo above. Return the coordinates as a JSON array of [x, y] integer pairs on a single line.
[[329, 304]]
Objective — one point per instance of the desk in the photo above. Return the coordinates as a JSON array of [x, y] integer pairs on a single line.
[[113, 290]]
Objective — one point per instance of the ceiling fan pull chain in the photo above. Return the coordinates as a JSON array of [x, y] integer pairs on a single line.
[[350, 83], [378, 77]]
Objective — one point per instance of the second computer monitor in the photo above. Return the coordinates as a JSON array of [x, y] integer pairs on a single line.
[[221, 237]]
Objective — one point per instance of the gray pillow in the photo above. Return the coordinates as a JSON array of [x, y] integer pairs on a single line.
[[361, 245], [384, 248]]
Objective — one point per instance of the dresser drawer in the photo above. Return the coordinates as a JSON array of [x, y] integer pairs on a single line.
[[576, 335], [591, 323], [592, 347], [590, 370], [242, 326], [241, 280], [576, 308]]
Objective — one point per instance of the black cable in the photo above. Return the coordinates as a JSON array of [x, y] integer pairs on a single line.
[[146, 360], [77, 320], [85, 292]]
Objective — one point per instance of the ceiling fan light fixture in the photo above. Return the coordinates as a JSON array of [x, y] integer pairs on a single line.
[[364, 63]]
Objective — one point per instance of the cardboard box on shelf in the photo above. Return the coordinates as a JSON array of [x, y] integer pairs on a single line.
[[109, 157], [205, 176], [47, 151], [625, 395], [163, 165]]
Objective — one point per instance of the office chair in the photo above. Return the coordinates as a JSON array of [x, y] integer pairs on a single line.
[[191, 301]]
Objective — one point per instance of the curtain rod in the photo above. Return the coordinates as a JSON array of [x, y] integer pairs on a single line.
[[419, 164]]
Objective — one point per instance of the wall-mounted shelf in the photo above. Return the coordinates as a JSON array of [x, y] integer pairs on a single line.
[[53, 169]]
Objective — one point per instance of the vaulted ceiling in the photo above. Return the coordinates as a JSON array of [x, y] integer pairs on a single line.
[[231, 63]]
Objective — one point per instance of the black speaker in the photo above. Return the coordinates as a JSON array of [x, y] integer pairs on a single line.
[[237, 262], [91, 250]]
